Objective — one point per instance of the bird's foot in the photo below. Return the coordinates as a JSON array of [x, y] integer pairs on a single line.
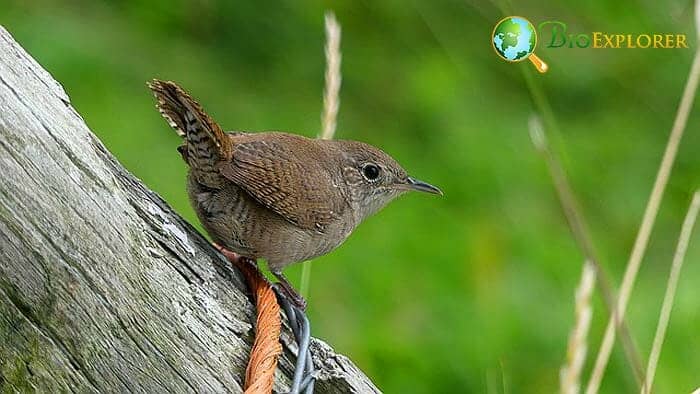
[[236, 258], [286, 288], [233, 256], [289, 292]]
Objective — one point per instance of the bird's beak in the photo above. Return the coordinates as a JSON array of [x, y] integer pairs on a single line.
[[415, 184]]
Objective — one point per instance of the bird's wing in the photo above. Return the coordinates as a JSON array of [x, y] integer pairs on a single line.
[[297, 188]]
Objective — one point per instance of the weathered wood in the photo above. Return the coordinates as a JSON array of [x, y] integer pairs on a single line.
[[102, 286]]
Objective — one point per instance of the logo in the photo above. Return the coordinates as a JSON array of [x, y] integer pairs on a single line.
[[514, 38], [559, 37]]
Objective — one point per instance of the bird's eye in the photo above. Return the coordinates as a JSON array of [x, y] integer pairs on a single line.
[[370, 171]]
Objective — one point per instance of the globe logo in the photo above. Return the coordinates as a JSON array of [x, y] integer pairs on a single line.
[[514, 38]]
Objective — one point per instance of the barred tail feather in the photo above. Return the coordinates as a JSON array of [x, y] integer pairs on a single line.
[[205, 142]]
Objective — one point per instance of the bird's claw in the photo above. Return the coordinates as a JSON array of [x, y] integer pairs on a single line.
[[288, 292]]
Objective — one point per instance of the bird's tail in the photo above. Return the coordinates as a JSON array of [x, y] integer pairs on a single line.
[[206, 144]]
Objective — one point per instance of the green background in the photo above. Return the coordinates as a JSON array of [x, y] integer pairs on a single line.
[[472, 292]]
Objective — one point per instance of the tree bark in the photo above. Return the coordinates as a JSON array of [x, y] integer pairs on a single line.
[[103, 288]]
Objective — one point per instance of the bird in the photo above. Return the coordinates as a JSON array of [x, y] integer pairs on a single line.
[[277, 196]]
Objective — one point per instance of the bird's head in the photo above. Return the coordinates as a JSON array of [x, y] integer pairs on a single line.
[[374, 178]]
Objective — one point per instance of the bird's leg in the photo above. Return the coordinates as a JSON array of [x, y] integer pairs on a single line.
[[291, 294], [236, 258], [283, 284]]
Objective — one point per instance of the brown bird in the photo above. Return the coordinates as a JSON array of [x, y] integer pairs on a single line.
[[278, 196]]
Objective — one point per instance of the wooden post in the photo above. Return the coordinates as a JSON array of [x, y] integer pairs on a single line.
[[102, 286]]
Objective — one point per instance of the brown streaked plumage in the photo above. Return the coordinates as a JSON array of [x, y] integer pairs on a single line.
[[278, 196]]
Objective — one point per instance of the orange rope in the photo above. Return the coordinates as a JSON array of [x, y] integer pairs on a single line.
[[259, 375]]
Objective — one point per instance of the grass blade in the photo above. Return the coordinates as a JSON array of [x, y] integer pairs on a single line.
[[648, 220], [672, 285]]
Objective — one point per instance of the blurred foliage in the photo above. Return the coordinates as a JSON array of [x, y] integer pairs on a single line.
[[472, 292]]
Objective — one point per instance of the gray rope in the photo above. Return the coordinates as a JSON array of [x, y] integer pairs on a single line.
[[304, 373]]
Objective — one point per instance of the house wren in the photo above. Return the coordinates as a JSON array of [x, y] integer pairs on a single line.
[[278, 196]]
